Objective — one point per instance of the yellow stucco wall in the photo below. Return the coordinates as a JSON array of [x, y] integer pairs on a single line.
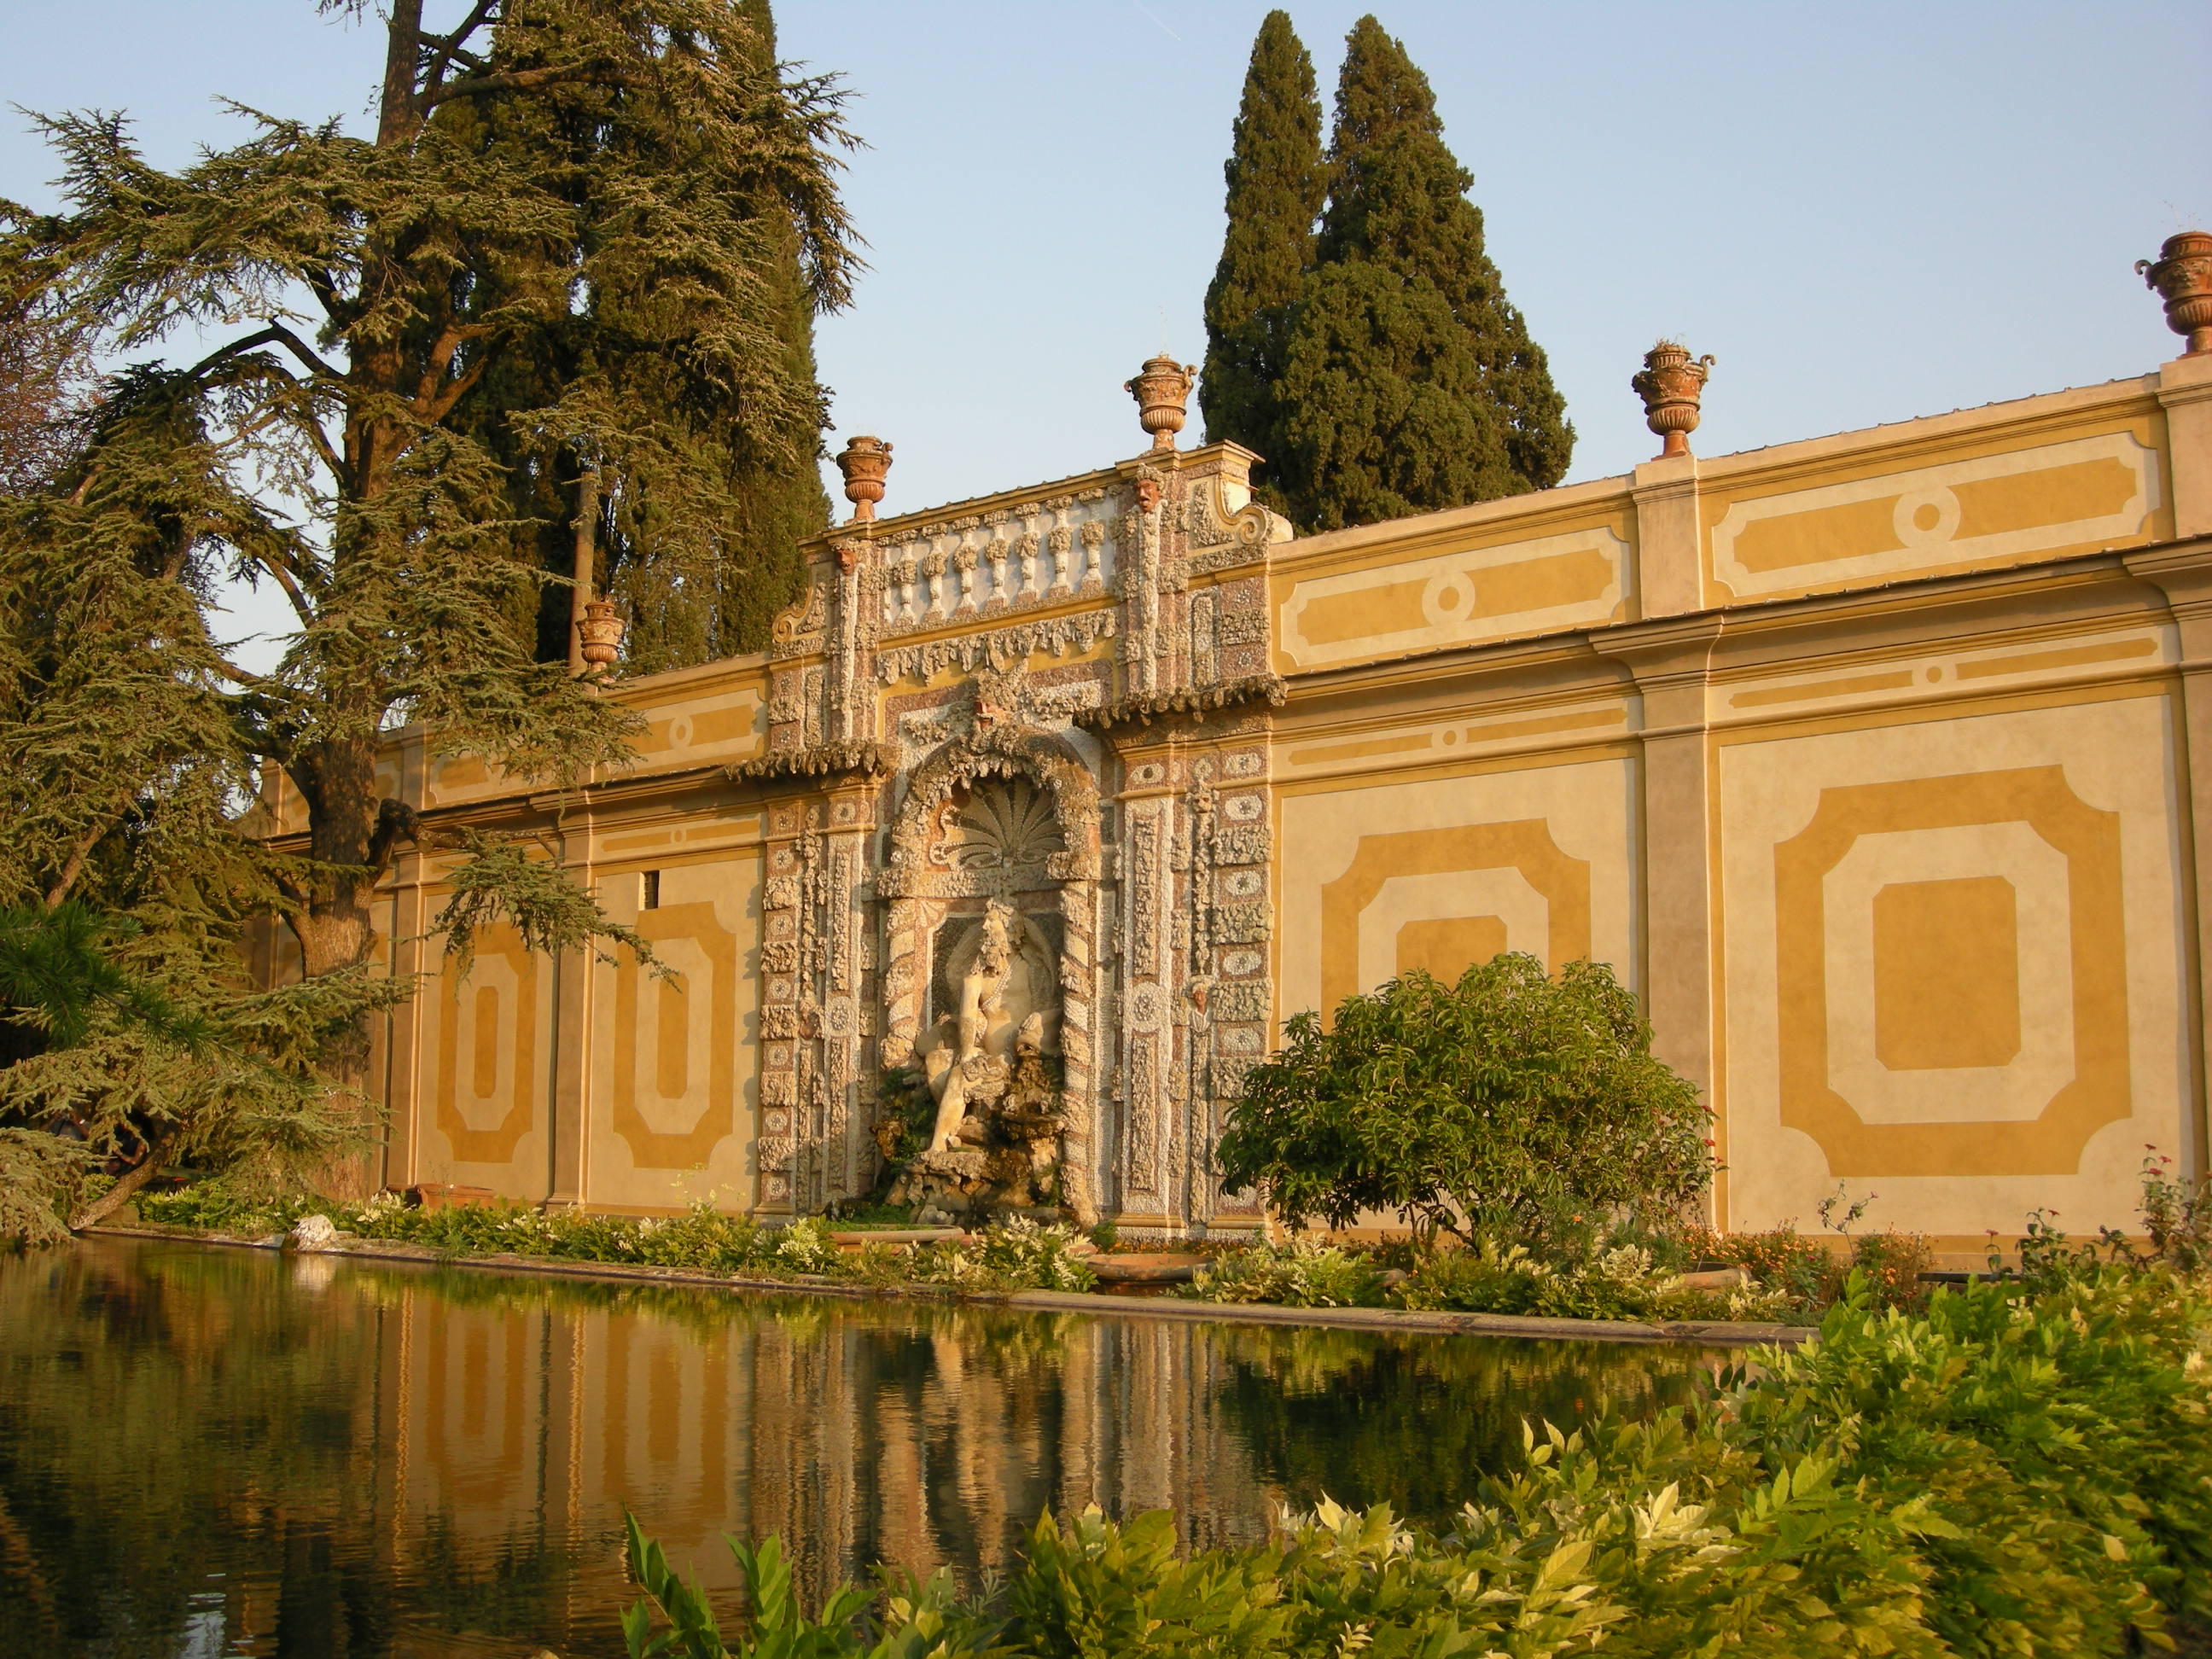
[[1874, 762]]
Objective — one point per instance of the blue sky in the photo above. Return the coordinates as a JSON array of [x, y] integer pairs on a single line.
[[1865, 212]]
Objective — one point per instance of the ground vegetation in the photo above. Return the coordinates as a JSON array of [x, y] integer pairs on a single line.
[[2022, 1468], [1014, 1255]]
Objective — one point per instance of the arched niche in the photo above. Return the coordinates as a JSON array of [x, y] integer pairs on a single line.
[[1009, 813]]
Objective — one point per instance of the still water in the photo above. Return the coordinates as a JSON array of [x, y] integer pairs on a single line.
[[208, 1452]]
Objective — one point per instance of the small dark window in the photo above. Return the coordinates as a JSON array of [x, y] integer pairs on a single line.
[[648, 896]]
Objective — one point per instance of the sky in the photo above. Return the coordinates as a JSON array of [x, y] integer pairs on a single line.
[[1866, 213]]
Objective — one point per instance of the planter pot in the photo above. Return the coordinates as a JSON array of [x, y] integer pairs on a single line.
[[2182, 276]]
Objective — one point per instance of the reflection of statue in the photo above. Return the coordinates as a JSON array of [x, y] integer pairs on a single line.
[[1002, 984]]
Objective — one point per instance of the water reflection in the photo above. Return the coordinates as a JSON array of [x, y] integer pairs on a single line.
[[208, 1452]]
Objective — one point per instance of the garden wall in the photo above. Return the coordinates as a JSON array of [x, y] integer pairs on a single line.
[[1876, 763]]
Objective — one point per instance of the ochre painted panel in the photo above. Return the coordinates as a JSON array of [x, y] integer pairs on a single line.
[[1375, 878], [2040, 500], [488, 1065], [676, 1059], [1951, 964]]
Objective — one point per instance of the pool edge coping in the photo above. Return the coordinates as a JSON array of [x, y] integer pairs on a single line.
[[1711, 1334]]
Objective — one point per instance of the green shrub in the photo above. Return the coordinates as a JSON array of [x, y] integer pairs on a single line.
[[1622, 1282], [1301, 1272], [1027, 1256], [2178, 1215], [1487, 1279], [2020, 1471], [1809, 1274], [1511, 1105], [218, 1206], [1016, 1256], [1013, 1255]]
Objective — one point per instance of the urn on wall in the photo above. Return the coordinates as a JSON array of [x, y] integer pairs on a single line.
[[2182, 276], [1162, 390], [864, 461], [601, 630], [1671, 384]]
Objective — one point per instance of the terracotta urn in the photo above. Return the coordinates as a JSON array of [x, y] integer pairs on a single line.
[[864, 461], [601, 630], [1671, 384], [2182, 276], [1162, 390]]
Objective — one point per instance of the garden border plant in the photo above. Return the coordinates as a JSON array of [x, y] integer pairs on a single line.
[[2023, 1468], [1015, 1255]]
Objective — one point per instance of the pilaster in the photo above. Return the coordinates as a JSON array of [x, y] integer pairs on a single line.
[[1669, 563], [1671, 663], [2184, 387], [2183, 573]]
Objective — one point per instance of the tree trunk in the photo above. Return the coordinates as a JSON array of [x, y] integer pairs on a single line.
[[586, 572], [126, 1188], [337, 932]]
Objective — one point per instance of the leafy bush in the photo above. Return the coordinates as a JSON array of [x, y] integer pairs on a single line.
[[1487, 1279], [804, 1247], [1511, 1105], [1809, 1274], [1622, 1282], [2178, 1215], [2014, 1472], [1013, 1256], [1032, 1257], [220, 1207], [1302, 1272]]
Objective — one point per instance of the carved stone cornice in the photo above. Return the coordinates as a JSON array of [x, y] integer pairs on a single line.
[[1143, 708], [822, 760]]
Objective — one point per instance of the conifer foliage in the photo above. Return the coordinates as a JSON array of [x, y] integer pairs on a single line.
[[551, 261], [1404, 380], [1277, 182], [698, 495]]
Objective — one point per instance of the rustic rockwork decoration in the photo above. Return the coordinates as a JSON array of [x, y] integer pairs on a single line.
[[989, 1064], [939, 1022], [1058, 636], [1162, 389], [1143, 708], [2182, 276], [1672, 386], [864, 461], [1005, 813], [1219, 537], [847, 757]]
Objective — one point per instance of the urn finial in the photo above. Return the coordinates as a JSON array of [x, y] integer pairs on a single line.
[[1162, 390], [2182, 276], [864, 461], [1671, 385], [600, 628]]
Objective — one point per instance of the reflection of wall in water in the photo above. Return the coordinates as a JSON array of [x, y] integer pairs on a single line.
[[918, 1437]]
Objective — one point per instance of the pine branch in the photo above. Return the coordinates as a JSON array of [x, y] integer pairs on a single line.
[[445, 48], [501, 880], [481, 86]]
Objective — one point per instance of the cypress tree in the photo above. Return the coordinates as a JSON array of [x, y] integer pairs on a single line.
[[1277, 181], [1409, 381]]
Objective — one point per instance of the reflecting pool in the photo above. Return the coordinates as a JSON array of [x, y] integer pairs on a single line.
[[207, 1451]]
